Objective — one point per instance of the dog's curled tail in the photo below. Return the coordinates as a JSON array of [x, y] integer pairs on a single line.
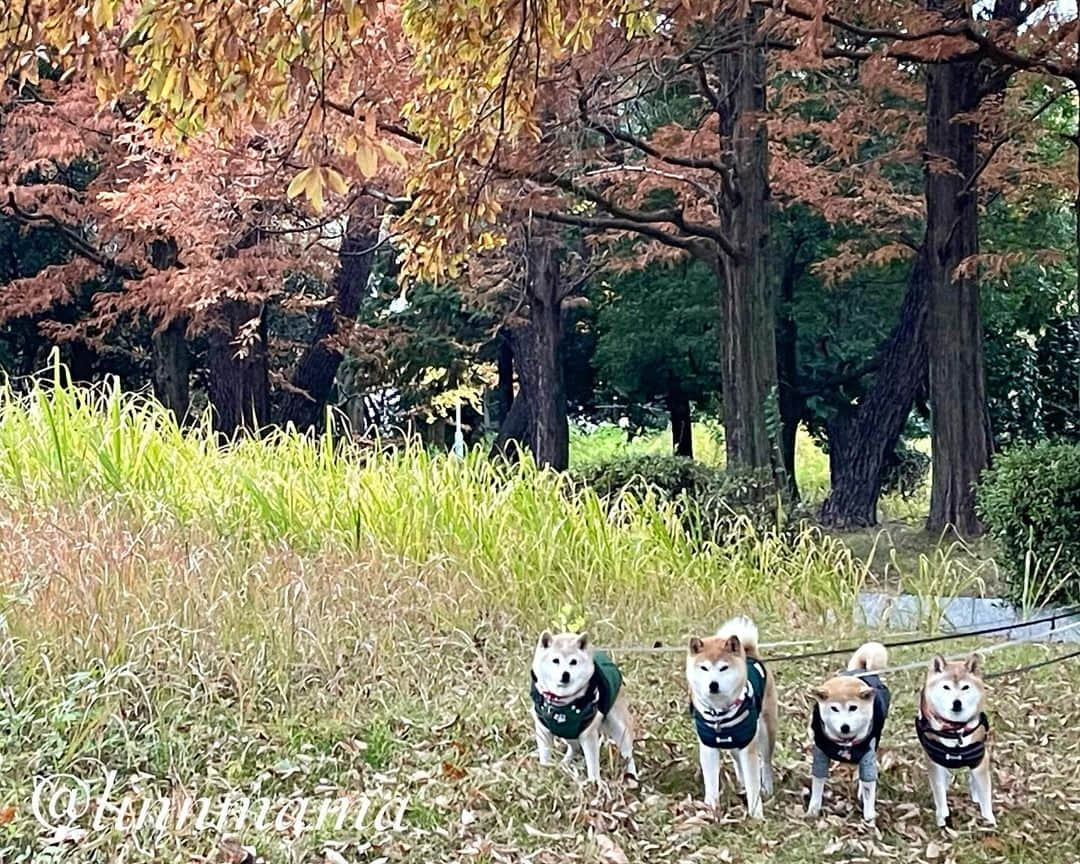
[[870, 657], [745, 629]]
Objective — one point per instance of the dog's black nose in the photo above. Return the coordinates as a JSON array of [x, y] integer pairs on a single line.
[[714, 687], [565, 678], [957, 705], [845, 729]]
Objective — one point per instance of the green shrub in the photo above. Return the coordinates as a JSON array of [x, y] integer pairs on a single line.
[[905, 471], [1030, 503], [709, 497]]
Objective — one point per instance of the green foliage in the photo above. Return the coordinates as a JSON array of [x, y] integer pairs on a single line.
[[1058, 380], [657, 328], [905, 472], [1030, 502], [710, 499]]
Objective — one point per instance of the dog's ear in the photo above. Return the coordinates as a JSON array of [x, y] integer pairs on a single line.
[[733, 644], [820, 693], [973, 664], [545, 639], [582, 640], [866, 692], [937, 664], [696, 645]]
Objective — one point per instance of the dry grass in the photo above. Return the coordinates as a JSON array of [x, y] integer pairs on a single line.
[[178, 657]]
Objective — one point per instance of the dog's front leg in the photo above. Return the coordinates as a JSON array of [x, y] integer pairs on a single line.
[[572, 751], [545, 740], [751, 771], [868, 796], [868, 774], [819, 773], [590, 746], [939, 787], [981, 791], [710, 772]]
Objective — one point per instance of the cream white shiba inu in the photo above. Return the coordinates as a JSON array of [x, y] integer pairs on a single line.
[[847, 722], [577, 694], [733, 702], [954, 732]]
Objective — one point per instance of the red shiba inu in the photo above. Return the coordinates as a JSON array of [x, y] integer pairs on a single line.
[[733, 702], [954, 732], [848, 719]]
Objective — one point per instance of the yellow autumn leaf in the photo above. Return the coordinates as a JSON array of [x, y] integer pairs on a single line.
[[314, 190], [336, 181], [393, 155], [367, 159], [298, 184]]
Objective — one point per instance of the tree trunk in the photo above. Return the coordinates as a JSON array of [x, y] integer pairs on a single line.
[[171, 357], [512, 431], [239, 384], [749, 343], [536, 348], [682, 429], [313, 378], [172, 368], [504, 389], [792, 401], [958, 411], [860, 440]]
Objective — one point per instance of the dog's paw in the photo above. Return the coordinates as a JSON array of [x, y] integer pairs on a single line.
[[990, 819]]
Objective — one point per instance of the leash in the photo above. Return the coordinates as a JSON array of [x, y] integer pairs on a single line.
[[1059, 658], [658, 647], [941, 637], [1008, 643]]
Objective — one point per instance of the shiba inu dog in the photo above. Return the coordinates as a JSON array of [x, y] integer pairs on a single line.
[[577, 694], [954, 732], [733, 702], [847, 722]]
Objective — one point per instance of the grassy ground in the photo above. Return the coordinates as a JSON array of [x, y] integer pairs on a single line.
[[291, 618]]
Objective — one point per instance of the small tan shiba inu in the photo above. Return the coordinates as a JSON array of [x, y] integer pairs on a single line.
[[954, 731], [848, 719], [577, 694], [733, 702]]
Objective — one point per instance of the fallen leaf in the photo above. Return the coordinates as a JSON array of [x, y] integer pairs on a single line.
[[610, 853]]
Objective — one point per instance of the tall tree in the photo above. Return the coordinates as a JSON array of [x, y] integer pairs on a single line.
[[959, 418]]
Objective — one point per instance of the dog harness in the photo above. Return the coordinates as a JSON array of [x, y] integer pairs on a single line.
[[734, 727], [854, 751], [570, 719], [958, 755]]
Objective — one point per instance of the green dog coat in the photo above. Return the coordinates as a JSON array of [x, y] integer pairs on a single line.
[[569, 719]]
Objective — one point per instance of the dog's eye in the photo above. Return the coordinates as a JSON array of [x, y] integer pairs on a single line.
[[835, 708], [721, 668], [704, 668], [555, 660], [573, 662], [852, 707], [946, 686], [966, 687]]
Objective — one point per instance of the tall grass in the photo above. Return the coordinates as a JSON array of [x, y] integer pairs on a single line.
[[514, 534]]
